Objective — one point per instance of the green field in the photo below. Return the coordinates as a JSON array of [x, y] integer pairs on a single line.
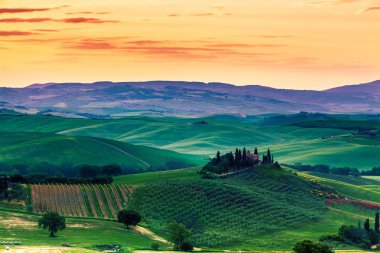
[[267, 200], [81, 233], [35, 148], [176, 190], [303, 142], [242, 212], [150, 177]]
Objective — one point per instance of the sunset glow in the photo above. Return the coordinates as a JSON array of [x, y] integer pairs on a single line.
[[302, 44]]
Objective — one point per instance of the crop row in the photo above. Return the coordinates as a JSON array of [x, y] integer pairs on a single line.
[[103, 201]]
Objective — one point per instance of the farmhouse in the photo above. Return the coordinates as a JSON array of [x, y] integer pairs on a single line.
[[255, 157]]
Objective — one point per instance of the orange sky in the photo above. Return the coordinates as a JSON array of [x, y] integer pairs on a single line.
[[302, 44]]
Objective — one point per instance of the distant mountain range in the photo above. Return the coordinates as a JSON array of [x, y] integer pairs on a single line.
[[111, 99]]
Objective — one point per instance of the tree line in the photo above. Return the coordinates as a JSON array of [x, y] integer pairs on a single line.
[[343, 171], [363, 236], [86, 174], [235, 161]]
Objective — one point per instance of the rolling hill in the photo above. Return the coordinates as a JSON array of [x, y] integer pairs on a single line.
[[33, 149], [172, 98], [226, 213], [300, 138]]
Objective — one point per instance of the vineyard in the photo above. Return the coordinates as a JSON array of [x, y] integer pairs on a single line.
[[99, 201], [228, 211]]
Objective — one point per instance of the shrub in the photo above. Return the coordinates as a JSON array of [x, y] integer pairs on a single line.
[[155, 246], [308, 246], [186, 246]]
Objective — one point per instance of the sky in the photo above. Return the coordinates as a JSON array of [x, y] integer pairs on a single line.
[[298, 44]]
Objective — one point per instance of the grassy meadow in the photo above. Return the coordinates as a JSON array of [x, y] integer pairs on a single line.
[[80, 233], [334, 143]]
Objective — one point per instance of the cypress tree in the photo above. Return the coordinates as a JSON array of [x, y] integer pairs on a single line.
[[231, 159], [367, 226], [377, 225], [218, 157], [256, 152], [269, 156], [245, 157], [237, 160]]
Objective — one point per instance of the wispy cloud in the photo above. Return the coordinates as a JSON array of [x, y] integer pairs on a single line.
[[65, 20], [26, 10], [201, 14], [373, 8], [15, 33], [274, 36], [87, 12]]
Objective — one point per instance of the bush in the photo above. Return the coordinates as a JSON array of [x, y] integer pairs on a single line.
[[308, 246], [186, 246], [155, 246]]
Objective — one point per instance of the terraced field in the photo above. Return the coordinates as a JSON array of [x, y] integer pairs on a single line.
[[99, 201]]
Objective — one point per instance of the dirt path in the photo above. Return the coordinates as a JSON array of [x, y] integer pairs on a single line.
[[144, 231], [121, 151]]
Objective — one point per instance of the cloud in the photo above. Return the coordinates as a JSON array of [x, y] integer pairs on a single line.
[[274, 36], [202, 14], [46, 30], [86, 20], [168, 49], [86, 12], [66, 20], [91, 45], [241, 45], [373, 8], [25, 10], [15, 33]]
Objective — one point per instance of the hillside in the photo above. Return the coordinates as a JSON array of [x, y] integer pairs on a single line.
[[304, 138], [173, 97], [228, 212], [32, 149], [247, 199]]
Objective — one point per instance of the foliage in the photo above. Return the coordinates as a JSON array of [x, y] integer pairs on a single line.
[[308, 246], [178, 234], [363, 237], [128, 218], [187, 246], [230, 162], [47, 179], [228, 210], [373, 172], [322, 168], [155, 246], [53, 222]]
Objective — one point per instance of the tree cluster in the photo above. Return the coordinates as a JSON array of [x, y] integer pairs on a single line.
[[47, 179], [234, 161], [14, 191], [179, 235], [373, 172], [321, 168], [307, 246], [361, 236]]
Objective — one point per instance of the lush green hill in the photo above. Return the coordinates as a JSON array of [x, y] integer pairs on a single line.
[[35, 148], [81, 233], [182, 195], [231, 211]]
